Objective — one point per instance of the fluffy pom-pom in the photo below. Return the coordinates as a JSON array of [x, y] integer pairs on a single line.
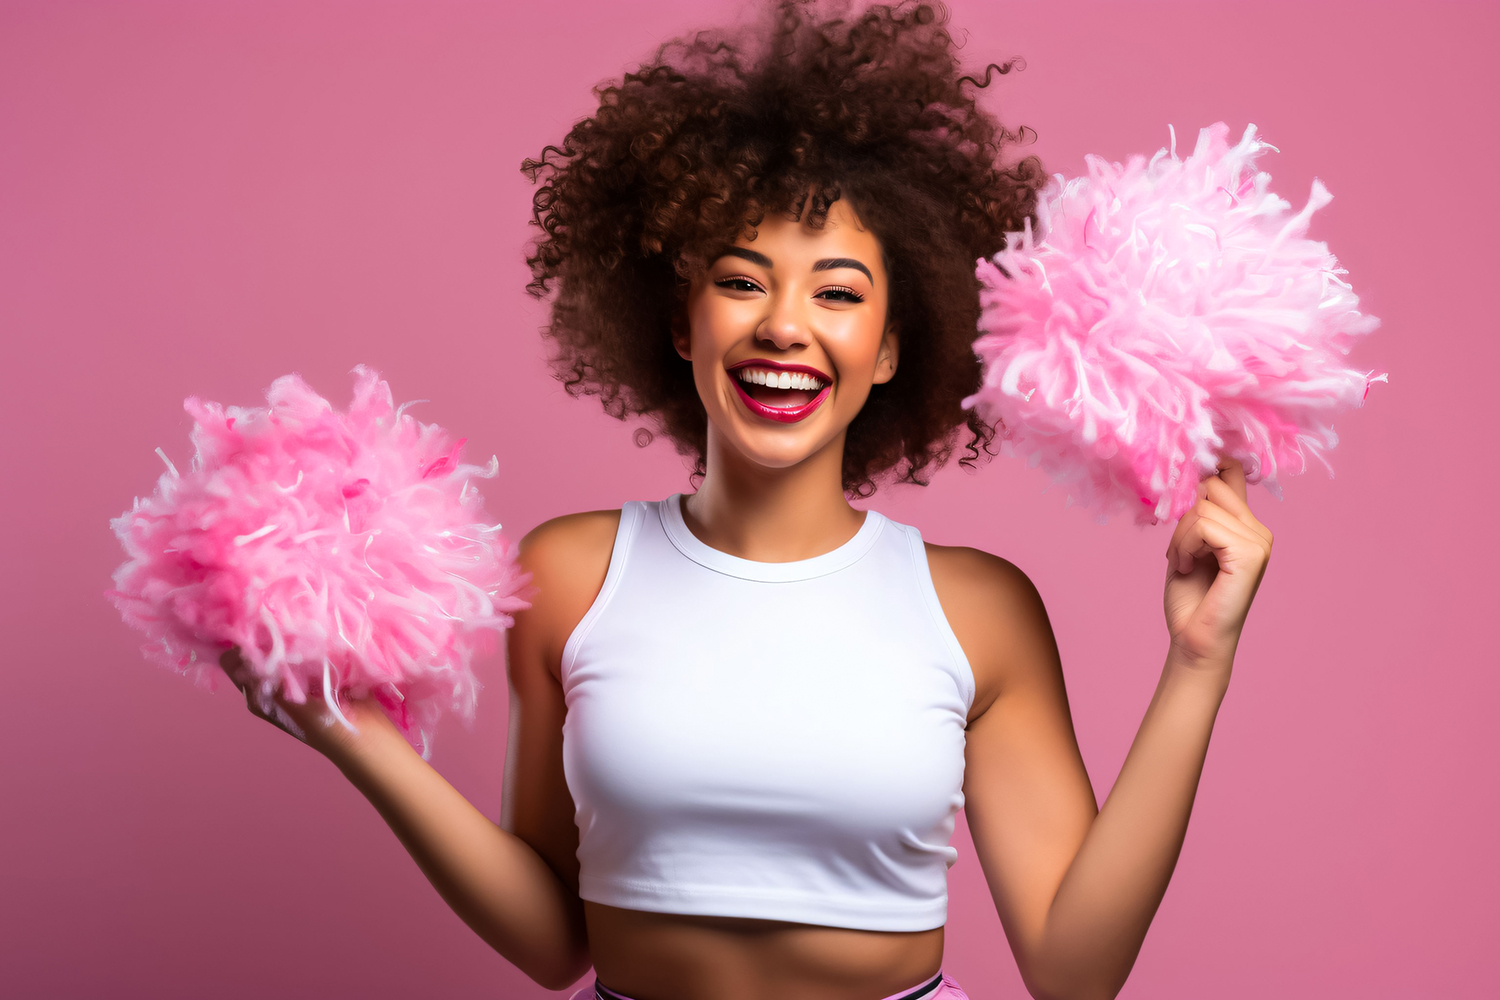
[[343, 553], [1166, 314]]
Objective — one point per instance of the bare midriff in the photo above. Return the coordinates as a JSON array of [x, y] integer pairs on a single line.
[[665, 956]]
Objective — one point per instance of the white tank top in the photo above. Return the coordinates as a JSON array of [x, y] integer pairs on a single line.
[[782, 741]]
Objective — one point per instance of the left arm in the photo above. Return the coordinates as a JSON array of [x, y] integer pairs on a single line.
[[1077, 887]]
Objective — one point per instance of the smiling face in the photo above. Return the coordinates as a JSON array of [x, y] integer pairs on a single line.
[[786, 334]]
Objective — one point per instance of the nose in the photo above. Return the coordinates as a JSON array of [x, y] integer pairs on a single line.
[[785, 325]]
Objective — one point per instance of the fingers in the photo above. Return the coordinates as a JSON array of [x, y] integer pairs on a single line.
[[283, 720], [232, 665], [1228, 490], [1208, 528], [235, 669], [1232, 472], [304, 720], [1174, 557], [1199, 538], [1224, 495], [1188, 540], [1212, 533]]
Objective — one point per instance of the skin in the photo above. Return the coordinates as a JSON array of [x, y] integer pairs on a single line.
[[1076, 886]]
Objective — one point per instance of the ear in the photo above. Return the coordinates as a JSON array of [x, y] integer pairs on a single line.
[[890, 353], [682, 337]]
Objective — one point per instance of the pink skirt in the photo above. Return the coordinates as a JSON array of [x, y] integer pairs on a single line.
[[942, 987]]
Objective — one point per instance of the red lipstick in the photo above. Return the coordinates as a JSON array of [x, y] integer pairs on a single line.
[[785, 414], [781, 414], [778, 366]]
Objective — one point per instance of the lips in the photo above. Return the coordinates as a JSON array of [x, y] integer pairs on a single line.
[[783, 388], [780, 367]]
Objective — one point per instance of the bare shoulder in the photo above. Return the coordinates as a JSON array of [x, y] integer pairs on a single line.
[[564, 543], [999, 619], [568, 558], [962, 566]]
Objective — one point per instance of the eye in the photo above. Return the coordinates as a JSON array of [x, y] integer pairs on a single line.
[[839, 293], [738, 283]]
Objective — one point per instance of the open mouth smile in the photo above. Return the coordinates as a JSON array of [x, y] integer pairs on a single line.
[[785, 393]]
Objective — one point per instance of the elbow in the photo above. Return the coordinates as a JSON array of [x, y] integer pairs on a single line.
[[559, 972], [1073, 983], [1071, 991], [554, 955], [1083, 965]]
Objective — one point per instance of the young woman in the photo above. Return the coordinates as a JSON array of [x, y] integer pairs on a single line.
[[743, 720]]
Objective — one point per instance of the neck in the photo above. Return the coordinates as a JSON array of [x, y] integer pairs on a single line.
[[772, 515]]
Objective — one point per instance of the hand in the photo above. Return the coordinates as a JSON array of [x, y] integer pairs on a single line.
[[312, 722], [1215, 562]]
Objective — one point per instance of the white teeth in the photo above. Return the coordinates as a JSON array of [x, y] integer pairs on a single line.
[[779, 380]]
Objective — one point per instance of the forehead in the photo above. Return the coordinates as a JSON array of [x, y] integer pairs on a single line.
[[799, 243]]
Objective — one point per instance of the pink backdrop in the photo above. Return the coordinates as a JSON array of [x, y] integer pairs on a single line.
[[198, 197]]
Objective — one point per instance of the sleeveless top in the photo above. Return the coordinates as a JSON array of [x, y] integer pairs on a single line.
[[782, 741]]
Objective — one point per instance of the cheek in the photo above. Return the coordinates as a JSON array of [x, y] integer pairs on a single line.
[[710, 337], [854, 347], [713, 323]]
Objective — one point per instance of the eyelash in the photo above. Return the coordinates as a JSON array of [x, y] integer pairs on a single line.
[[843, 290]]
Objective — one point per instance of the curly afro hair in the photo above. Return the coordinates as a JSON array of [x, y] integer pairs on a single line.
[[694, 148]]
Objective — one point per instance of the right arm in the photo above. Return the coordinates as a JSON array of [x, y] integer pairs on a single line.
[[516, 883]]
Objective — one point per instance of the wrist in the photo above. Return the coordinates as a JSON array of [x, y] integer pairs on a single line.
[[375, 738], [1208, 673]]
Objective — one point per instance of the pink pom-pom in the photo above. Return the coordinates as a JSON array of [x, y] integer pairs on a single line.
[[344, 553], [1167, 314]]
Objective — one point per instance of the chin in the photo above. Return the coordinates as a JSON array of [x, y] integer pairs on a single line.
[[772, 444], [776, 449]]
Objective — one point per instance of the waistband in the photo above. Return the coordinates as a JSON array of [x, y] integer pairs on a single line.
[[926, 990]]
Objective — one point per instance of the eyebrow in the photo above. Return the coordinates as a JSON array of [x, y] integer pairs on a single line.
[[827, 264], [750, 255], [834, 262]]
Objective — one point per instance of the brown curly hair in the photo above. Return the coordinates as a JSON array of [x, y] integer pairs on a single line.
[[695, 147]]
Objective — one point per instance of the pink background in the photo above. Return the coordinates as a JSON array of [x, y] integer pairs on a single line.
[[198, 197]]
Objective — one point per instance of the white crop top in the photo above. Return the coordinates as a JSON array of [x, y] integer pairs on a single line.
[[782, 741]]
